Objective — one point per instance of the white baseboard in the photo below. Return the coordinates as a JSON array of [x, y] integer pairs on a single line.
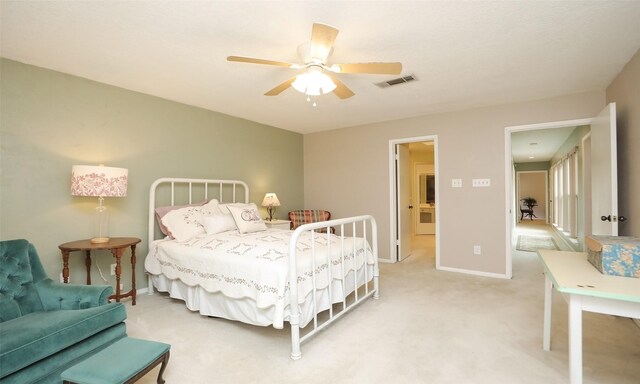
[[564, 240], [471, 272], [141, 291]]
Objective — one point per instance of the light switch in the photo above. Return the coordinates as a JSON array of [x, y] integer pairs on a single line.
[[481, 182]]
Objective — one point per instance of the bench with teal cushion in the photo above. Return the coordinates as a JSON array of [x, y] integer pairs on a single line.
[[46, 326], [125, 361]]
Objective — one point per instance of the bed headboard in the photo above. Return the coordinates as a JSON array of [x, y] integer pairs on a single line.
[[178, 191]]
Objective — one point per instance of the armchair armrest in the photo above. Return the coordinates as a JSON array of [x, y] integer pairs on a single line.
[[54, 295]]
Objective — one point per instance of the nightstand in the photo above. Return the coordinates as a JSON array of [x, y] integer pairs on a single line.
[[278, 224]]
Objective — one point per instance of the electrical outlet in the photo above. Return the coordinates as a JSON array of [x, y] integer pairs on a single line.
[[456, 183], [61, 278], [481, 182], [113, 269], [477, 250], [121, 287]]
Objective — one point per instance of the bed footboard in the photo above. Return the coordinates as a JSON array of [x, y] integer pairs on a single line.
[[352, 227]]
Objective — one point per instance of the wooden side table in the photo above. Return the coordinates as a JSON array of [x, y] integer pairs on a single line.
[[117, 246]]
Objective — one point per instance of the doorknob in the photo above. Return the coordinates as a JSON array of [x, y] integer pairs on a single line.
[[410, 206], [622, 218], [605, 218]]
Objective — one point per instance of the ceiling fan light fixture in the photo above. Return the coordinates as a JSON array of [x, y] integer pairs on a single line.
[[313, 82]]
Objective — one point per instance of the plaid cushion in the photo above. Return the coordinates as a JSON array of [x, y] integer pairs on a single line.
[[306, 216]]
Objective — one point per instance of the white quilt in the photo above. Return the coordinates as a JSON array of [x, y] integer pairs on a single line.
[[256, 265]]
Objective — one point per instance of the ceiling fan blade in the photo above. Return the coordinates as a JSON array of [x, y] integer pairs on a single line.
[[341, 90], [251, 60], [278, 89], [322, 38], [372, 68]]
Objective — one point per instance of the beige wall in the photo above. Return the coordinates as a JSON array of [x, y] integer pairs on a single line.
[[51, 121], [625, 92], [347, 172]]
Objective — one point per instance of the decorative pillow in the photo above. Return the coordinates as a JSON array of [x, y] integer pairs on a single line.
[[247, 217], [218, 223], [185, 223], [162, 211]]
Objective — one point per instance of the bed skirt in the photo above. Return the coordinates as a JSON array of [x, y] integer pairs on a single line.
[[217, 304]]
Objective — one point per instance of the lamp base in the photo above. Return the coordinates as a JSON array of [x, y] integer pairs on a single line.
[[99, 240]]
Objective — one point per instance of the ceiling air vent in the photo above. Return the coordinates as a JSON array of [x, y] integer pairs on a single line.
[[399, 80]]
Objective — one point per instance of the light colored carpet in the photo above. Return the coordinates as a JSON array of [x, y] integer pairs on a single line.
[[529, 243], [427, 327]]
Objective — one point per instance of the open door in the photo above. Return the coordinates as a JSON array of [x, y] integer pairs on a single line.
[[403, 188], [604, 173]]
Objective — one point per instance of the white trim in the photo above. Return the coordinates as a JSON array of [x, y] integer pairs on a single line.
[[476, 273], [142, 291], [393, 219], [508, 176]]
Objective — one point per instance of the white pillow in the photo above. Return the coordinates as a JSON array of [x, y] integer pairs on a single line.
[[185, 223], [218, 223], [247, 218]]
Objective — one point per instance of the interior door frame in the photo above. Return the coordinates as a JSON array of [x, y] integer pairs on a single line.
[[393, 210], [510, 207]]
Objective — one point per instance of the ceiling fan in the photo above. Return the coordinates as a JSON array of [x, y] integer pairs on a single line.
[[318, 77]]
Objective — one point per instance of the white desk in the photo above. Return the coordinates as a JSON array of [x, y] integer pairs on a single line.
[[585, 289]]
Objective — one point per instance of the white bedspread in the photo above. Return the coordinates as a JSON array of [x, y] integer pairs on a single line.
[[256, 265]]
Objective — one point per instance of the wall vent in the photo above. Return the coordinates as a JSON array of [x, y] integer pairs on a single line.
[[399, 80]]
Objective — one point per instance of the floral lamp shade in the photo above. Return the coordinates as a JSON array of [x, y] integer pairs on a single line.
[[100, 181]]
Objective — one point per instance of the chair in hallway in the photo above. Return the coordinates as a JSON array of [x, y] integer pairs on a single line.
[[526, 211]]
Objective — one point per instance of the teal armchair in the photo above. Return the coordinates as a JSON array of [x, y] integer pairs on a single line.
[[46, 326]]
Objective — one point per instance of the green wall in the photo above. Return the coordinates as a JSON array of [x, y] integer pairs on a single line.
[[51, 121]]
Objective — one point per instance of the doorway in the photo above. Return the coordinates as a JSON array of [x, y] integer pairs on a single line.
[[406, 158], [566, 189]]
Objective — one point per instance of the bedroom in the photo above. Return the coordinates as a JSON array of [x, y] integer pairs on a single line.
[[52, 120]]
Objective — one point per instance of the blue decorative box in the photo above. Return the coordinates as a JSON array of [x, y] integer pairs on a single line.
[[614, 255]]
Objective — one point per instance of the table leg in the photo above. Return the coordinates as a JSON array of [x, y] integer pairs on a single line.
[[133, 274], [575, 339], [546, 330], [65, 266], [165, 361], [117, 253], [87, 261]]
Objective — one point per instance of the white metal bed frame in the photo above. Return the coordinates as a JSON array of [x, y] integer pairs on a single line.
[[367, 225]]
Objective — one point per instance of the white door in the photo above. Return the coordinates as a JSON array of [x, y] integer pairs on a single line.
[[604, 173], [403, 187]]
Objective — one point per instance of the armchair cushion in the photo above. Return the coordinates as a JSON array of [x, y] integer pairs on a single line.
[[34, 336]]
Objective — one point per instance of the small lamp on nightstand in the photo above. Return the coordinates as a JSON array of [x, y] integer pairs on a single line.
[[100, 181], [271, 202]]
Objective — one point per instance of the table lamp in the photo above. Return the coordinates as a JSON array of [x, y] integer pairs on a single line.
[[271, 202], [100, 181]]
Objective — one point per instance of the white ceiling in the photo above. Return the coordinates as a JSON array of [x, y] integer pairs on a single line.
[[465, 54], [538, 145]]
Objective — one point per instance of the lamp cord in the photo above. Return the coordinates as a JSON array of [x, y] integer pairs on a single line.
[[95, 261]]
